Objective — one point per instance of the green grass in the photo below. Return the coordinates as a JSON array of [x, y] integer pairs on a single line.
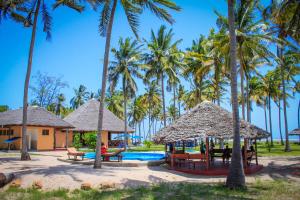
[[263, 190], [277, 149]]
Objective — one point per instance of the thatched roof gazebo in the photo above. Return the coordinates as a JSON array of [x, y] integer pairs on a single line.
[[206, 121]]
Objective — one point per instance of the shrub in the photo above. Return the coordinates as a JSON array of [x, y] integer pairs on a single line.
[[76, 141], [90, 140], [148, 143]]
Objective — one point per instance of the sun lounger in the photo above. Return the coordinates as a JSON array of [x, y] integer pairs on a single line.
[[107, 156], [73, 152]]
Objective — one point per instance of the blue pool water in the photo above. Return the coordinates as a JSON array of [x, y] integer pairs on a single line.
[[143, 156]]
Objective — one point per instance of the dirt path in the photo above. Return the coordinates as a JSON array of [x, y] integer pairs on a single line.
[[55, 174]]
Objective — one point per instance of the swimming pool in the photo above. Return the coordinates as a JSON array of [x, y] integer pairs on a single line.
[[142, 156]]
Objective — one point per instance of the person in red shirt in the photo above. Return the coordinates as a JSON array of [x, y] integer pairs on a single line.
[[103, 148]]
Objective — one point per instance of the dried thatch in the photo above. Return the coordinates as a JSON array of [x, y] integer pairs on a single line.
[[295, 132], [206, 120], [37, 116], [85, 119]]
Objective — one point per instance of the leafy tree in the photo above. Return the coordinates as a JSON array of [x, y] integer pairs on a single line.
[[46, 89], [4, 108]]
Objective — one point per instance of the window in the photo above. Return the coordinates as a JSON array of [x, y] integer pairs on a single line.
[[45, 132]]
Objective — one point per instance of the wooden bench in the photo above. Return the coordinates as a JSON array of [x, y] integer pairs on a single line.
[[218, 153]]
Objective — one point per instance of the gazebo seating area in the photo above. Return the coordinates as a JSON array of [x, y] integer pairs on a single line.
[[205, 124]]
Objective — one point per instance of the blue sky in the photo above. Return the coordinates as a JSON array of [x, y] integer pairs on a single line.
[[76, 50]]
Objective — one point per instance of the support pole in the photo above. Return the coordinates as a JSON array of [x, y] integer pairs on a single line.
[[67, 136], [256, 159], [183, 146], [245, 152], [54, 139], [207, 152]]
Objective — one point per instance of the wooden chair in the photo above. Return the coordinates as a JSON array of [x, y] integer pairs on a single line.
[[73, 152], [107, 156]]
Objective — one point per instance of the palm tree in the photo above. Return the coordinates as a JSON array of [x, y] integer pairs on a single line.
[[180, 97], [27, 12], [257, 93], [236, 176], [161, 48], [132, 9], [197, 68], [125, 67], [81, 95], [114, 103], [60, 99], [152, 99], [285, 16], [137, 113]]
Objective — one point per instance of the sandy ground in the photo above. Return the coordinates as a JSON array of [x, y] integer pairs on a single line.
[[55, 174]]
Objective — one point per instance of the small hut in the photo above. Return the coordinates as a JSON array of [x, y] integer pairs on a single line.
[[206, 122], [85, 120]]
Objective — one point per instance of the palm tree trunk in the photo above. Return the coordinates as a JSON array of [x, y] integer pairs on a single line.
[[125, 113], [299, 114], [97, 163], [287, 143], [265, 112], [174, 101], [24, 151], [242, 82], [163, 97], [217, 79], [279, 120], [248, 100], [236, 176], [270, 121], [140, 133]]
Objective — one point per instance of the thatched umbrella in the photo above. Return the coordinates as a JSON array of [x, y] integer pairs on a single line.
[[295, 132], [206, 120]]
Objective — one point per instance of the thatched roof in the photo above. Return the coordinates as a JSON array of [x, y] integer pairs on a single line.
[[206, 120], [85, 118], [37, 116], [295, 132]]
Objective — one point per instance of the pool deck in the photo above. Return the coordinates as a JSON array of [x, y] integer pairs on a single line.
[[124, 163]]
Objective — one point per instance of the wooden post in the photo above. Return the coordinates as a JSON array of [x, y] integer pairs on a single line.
[[166, 153], [207, 152], [67, 136], [256, 159], [245, 152], [54, 137]]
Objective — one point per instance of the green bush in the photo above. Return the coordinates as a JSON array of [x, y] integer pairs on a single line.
[[90, 140], [76, 141], [148, 143]]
